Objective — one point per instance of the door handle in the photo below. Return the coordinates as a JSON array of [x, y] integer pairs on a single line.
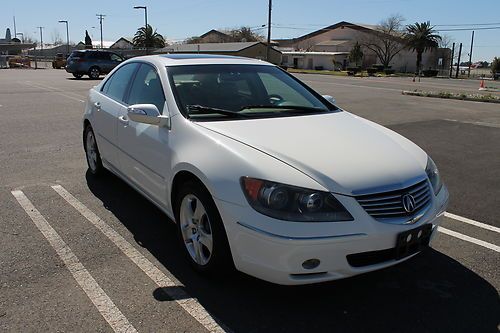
[[97, 105], [123, 120]]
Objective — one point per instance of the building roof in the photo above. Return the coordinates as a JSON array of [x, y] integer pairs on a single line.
[[216, 32], [208, 47], [341, 24], [314, 53], [335, 42]]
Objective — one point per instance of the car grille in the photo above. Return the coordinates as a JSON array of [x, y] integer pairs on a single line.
[[388, 205]]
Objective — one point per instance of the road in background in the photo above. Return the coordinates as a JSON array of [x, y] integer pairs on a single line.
[[452, 287]]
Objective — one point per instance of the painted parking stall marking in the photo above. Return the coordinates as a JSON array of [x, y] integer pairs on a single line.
[[56, 91], [105, 306], [472, 222], [469, 239], [189, 304]]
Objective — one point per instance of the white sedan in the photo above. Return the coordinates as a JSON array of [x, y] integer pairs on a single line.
[[259, 171]]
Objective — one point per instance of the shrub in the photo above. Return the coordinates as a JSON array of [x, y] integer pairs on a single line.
[[371, 71], [430, 72], [388, 71]]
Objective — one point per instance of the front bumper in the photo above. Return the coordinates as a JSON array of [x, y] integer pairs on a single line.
[[275, 250]]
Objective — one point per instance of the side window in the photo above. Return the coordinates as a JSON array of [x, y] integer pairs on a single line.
[[117, 84], [115, 57], [147, 88]]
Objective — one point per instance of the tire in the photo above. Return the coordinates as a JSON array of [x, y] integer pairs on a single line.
[[92, 154], [94, 72], [77, 76], [200, 227]]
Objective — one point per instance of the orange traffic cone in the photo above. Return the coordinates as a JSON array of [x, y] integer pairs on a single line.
[[481, 85]]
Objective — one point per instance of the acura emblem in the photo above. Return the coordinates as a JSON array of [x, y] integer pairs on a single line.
[[408, 202]]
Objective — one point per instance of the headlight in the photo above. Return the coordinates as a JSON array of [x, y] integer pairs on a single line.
[[291, 203], [432, 172]]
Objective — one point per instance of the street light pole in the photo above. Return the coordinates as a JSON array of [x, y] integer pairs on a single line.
[[41, 40], [67, 35], [22, 36], [145, 14]]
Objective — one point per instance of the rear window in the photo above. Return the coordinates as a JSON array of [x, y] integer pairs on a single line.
[[77, 54]]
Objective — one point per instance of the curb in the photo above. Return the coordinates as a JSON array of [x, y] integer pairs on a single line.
[[455, 97]]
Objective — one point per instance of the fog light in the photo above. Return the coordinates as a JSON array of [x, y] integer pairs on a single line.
[[310, 263]]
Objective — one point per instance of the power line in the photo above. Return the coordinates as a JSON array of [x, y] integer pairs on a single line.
[[464, 24], [469, 29]]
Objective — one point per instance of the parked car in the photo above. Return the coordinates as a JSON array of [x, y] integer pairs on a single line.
[[92, 63], [59, 61], [259, 171]]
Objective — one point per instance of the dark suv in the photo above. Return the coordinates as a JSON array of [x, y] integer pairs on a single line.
[[92, 63]]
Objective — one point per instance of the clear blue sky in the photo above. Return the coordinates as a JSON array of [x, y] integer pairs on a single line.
[[180, 19]]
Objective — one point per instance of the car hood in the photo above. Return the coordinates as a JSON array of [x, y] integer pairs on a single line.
[[343, 152]]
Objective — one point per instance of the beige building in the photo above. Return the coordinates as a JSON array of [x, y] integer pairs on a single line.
[[338, 40]]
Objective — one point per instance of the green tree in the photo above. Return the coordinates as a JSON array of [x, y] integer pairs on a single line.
[[421, 37], [145, 37], [245, 34], [356, 54], [495, 67]]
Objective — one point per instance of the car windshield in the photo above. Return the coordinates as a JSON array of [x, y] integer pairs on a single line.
[[205, 92]]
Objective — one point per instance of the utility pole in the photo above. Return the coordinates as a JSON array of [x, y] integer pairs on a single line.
[[458, 62], [101, 17], [451, 61], [268, 46], [470, 54], [67, 36], [41, 42]]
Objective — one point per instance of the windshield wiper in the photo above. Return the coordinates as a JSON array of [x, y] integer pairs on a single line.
[[289, 107], [201, 109]]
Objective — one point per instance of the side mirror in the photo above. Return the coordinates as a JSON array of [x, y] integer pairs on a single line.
[[329, 99], [147, 114]]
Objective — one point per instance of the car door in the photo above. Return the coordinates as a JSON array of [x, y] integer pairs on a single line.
[[145, 154], [108, 104]]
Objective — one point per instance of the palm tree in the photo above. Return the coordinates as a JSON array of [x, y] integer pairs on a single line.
[[421, 37], [147, 38]]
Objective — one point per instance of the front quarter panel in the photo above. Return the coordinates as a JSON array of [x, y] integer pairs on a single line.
[[219, 162]]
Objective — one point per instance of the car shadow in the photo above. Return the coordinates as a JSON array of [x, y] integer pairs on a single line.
[[428, 293]]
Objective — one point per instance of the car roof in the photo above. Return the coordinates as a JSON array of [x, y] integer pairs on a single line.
[[179, 59]]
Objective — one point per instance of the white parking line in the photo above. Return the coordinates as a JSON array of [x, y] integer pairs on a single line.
[[99, 298], [34, 85], [353, 85], [472, 222], [469, 239], [191, 305]]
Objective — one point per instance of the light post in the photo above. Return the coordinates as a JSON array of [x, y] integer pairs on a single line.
[[67, 35], [22, 36], [145, 14]]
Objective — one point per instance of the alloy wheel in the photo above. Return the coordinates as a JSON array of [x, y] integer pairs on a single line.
[[196, 229]]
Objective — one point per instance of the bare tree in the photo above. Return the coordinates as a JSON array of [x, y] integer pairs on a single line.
[[387, 40], [56, 37], [446, 41]]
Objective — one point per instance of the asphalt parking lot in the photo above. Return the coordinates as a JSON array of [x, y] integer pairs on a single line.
[[80, 254]]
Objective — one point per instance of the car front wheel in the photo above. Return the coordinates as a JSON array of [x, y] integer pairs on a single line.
[[201, 230], [94, 161]]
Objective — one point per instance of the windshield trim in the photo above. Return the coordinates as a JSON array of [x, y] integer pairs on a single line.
[[329, 108]]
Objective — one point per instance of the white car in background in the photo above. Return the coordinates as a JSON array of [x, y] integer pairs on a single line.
[[259, 171]]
